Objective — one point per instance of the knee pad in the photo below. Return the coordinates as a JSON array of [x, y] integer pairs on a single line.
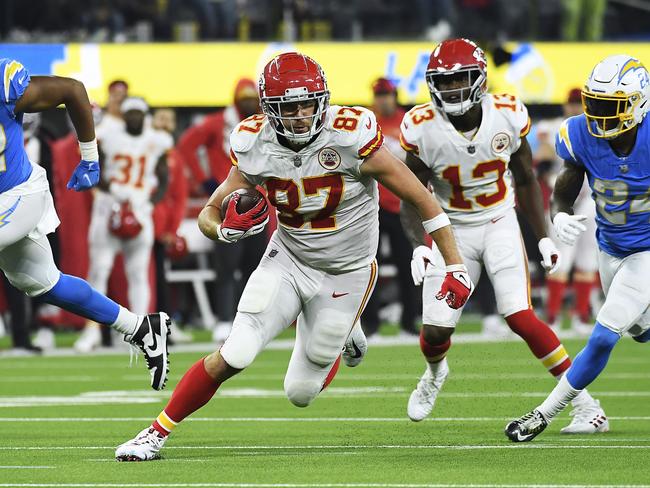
[[435, 335], [36, 283], [501, 256], [623, 307], [243, 344], [302, 392], [327, 337], [260, 291]]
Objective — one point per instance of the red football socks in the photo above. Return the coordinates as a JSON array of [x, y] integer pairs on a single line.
[[555, 298], [541, 340], [194, 390], [582, 291]]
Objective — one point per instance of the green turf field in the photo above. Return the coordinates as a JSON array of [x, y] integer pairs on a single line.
[[61, 417]]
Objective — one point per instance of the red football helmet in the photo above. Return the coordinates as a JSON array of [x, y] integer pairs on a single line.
[[123, 222], [176, 249], [457, 75], [291, 78]]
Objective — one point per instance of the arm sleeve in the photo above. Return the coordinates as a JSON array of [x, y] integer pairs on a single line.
[[15, 79]]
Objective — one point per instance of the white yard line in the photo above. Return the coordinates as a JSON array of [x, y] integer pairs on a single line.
[[470, 447], [280, 419], [307, 485], [27, 467]]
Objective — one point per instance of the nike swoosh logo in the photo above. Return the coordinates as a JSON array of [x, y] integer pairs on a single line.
[[368, 125], [494, 221], [231, 233], [154, 341], [339, 295], [523, 438], [357, 351]]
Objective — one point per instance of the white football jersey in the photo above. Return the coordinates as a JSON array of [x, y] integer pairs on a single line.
[[327, 211], [129, 163], [470, 177]]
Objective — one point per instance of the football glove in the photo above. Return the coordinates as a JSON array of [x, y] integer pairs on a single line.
[[457, 286], [422, 256], [236, 226], [550, 255], [569, 227], [85, 176]]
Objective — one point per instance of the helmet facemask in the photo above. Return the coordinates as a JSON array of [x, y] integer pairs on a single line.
[[608, 116], [468, 88], [295, 99]]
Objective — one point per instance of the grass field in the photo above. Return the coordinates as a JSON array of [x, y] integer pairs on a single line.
[[61, 418]]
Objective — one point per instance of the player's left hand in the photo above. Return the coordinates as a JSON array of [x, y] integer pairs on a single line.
[[456, 287], [550, 255], [85, 176]]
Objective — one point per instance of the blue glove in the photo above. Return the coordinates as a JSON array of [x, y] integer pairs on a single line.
[[85, 176]]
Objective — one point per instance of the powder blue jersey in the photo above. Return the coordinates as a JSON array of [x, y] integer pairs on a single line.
[[15, 167], [620, 185]]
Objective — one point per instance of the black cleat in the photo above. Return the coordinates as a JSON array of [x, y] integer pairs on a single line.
[[151, 338], [526, 428]]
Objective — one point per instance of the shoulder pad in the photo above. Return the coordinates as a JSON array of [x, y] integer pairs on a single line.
[[247, 132]]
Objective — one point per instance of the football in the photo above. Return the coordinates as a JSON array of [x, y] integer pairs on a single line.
[[248, 199]]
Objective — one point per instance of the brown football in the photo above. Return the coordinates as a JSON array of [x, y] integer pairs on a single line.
[[248, 199]]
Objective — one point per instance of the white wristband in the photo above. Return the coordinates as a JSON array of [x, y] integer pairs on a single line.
[[438, 222], [89, 150]]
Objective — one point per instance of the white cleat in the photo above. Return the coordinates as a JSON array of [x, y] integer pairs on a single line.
[[44, 339], [587, 419], [221, 332], [90, 338], [355, 347], [424, 396], [145, 446]]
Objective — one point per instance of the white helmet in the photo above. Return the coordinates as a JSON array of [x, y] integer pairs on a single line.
[[616, 95]]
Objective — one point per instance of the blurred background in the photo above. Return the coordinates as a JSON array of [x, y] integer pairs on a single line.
[[196, 63]]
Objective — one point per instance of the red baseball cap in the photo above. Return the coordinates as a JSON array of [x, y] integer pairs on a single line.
[[574, 96], [383, 86]]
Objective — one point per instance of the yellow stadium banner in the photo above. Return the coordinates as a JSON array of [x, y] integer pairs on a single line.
[[205, 74]]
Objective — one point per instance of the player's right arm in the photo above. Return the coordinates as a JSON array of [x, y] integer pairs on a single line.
[[383, 166], [210, 216], [47, 92], [567, 187], [409, 216]]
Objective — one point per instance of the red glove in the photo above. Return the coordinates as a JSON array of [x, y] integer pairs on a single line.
[[457, 286], [236, 226]]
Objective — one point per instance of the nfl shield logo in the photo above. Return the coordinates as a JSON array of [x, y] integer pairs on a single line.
[[471, 149], [624, 168], [297, 161]]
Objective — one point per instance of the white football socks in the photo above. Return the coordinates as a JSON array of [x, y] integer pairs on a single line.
[[436, 367], [559, 398], [126, 321]]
